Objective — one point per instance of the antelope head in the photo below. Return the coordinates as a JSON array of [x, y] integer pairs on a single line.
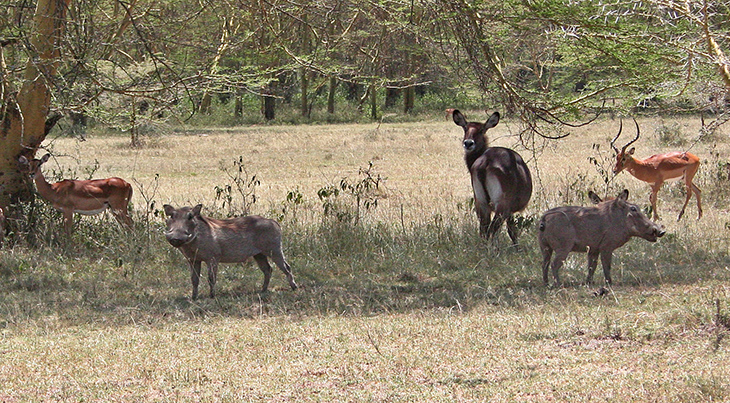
[[623, 157]]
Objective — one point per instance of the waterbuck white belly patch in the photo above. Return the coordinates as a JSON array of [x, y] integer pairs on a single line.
[[494, 188], [479, 195]]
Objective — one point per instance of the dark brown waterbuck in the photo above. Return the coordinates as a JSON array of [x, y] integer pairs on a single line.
[[87, 197], [598, 230], [658, 169], [205, 239], [500, 179]]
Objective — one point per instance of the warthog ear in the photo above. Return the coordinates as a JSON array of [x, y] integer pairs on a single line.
[[459, 118], [492, 121], [594, 197], [169, 210], [624, 195], [196, 210]]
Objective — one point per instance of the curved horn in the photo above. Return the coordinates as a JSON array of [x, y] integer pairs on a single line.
[[621, 127], [635, 138]]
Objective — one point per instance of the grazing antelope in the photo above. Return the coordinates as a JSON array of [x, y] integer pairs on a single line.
[[659, 168], [205, 239], [500, 178], [87, 197], [598, 230]]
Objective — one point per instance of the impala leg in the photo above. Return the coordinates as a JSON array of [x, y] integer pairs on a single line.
[[698, 195], [265, 268], [653, 197], [68, 221]]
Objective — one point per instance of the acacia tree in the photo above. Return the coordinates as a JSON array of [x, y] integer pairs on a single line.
[[547, 61], [24, 116]]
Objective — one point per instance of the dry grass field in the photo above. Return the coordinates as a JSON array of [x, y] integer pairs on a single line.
[[404, 303]]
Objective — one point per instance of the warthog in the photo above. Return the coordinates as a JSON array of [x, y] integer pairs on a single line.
[[599, 230], [205, 239]]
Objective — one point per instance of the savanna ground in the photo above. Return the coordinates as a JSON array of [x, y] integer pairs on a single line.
[[399, 299]]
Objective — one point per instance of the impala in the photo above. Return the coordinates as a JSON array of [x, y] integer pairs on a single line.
[[500, 179], [86, 197], [658, 169]]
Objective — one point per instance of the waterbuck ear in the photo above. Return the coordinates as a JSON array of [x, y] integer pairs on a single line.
[[624, 195], [631, 151], [594, 197], [492, 121], [459, 118], [45, 158], [196, 210], [169, 210]]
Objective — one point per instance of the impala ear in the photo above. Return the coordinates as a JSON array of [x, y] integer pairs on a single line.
[[631, 151], [22, 160], [196, 210], [459, 118], [44, 159], [169, 210], [492, 121], [624, 195]]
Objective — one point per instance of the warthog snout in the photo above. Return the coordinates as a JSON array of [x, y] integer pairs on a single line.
[[177, 240], [656, 233]]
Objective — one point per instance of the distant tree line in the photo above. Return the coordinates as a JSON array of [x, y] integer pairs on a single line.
[[128, 64]]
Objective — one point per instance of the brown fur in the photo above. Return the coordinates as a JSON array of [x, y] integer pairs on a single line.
[[500, 179], [205, 239], [81, 196], [598, 230], [657, 169]]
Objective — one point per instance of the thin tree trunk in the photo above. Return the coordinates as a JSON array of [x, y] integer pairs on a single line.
[[331, 96]]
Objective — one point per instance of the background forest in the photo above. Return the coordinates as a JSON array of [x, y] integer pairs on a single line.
[[144, 66]]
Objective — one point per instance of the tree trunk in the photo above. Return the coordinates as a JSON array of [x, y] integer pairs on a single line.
[[268, 104], [25, 124], [409, 99], [373, 102], [305, 93], [331, 96]]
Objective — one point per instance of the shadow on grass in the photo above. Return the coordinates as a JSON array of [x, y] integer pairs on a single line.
[[342, 270]]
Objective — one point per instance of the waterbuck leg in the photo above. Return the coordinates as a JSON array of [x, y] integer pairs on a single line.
[[592, 263], [495, 225], [266, 268], [512, 229], [195, 277], [606, 263], [279, 260]]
